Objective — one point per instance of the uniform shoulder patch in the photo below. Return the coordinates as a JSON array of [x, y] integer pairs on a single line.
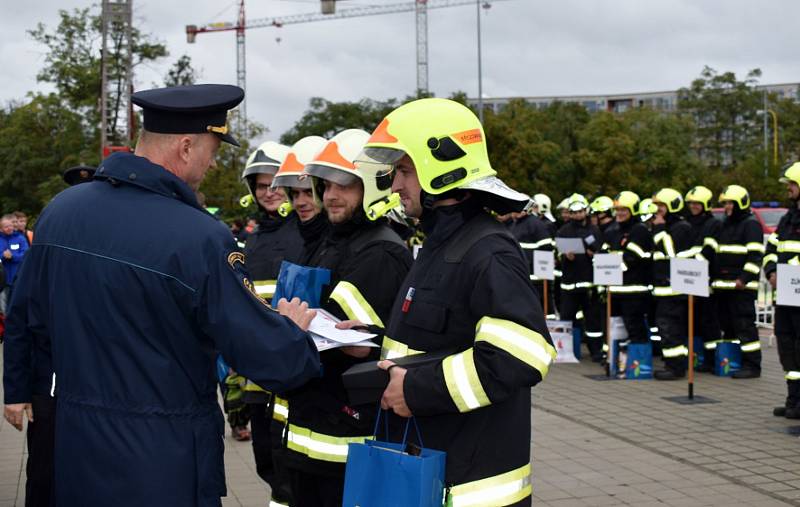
[[235, 257]]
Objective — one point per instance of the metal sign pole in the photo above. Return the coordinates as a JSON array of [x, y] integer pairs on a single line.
[[691, 347]]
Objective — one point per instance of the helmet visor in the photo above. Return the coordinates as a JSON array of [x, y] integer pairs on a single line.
[[337, 176], [388, 156], [291, 181]]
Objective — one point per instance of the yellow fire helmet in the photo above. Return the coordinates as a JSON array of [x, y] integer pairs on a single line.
[[700, 194], [737, 194], [602, 204], [577, 202], [791, 173], [288, 175], [343, 161], [647, 209], [670, 198], [629, 200], [447, 144]]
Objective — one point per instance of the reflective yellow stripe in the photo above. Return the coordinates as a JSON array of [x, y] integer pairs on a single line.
[[392, 349], [756, 247], [594, 334], [733, 249], [579, 315], [538, 244], [658, 238], [751, 346], [792, 375], [497, 491], [638, 250], [354, 305], [794, 261], [265, 288], [525, 344], [319, 446], [573, 286], [664, 291], [463, 382], [250, 386], [678, 351], [773, 239], [712, 345], [626, 289], [731, 284], [709, 241], [669, 246], [789, 246], [280, 412], [659, 256], [769, 258], [751, 267]]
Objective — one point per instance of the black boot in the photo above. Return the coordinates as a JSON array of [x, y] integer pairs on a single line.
[[791, 399], [746, 373]]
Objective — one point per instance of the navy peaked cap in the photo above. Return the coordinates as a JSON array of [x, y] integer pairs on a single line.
[[78, 174], [193, 109]]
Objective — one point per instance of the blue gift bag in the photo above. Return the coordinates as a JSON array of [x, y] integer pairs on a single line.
[[222, 369], [639, 363], [383, 474], [301, 282], [728, 358], [699, 352], [577, 337]]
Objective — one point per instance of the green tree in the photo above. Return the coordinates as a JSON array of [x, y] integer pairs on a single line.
[[725, 111], [325, 118], [181, 73]]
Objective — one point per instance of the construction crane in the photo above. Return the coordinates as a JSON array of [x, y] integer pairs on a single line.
[[116, 115], [419, 6]]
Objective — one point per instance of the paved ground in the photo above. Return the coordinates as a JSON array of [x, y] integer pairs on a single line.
[[607, 443]]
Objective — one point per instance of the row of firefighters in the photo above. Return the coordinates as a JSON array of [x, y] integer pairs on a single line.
[[648, 233]]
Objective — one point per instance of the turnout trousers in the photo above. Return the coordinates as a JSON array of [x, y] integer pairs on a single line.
[[672, 318], [737, 316], [574, 302], [787, 331]]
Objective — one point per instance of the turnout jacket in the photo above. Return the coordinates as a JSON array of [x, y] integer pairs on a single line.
[[783, 245], [634, 241], [578, 274], [473, 299], [671, 239], [136, 316], [739, 253], [532, 233], [705, 236], [368, 262]]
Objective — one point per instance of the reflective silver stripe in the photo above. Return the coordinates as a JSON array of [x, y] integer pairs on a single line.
[[627, 289], [655, 338], [638, 250], [751, 267], [280, 411], [521, 342], [792, 375], [463, 382], [538, 244], [594, 334], [756, 247], [733, 249], [659, 237], [659, 256], [751, 347], [503, 489], [579, 315], [573, 286], [789, 246], [392, 349], [678, 351]]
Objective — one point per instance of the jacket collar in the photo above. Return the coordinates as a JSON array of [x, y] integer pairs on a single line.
[[129, 169]]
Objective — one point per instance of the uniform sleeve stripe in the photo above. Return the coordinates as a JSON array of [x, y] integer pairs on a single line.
[[773, 239], [756, 247], [712, 243], [265, 288], [751, 267], [354, 305], [463, 382], [769, 258], [523, 343], [637, 250]]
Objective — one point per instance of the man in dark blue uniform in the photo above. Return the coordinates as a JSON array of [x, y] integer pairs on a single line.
[[136, 314]]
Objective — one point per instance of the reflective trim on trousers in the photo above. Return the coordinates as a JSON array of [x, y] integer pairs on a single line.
[[733, 249], [731, 284], [792, 375], [319, 446], [280, 409], [664, 292], [679, 351], [392, 349], [628, 289], [573, 286], [497, 491], [354, 305], [752, 346], [712, 345]]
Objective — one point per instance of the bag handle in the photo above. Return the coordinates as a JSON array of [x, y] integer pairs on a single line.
[[386, 427], [416, 427], [377, 422]]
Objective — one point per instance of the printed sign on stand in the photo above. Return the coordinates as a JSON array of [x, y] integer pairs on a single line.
[[608, 269], [544, 264], [788, 285], [563, 340], [689, 276]]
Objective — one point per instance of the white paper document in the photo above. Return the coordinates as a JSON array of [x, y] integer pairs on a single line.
[[327, 336], [570, 245]]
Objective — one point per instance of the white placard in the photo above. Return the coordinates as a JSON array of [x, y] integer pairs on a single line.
[[689, 276], [570, 245], [608, 269], [544, 264], [561, 334], [788, 285]]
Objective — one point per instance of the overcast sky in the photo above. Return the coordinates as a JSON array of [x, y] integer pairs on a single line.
[[530, 48]]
